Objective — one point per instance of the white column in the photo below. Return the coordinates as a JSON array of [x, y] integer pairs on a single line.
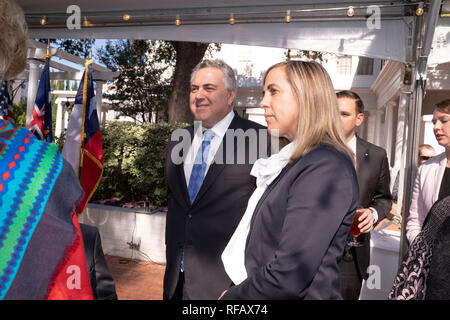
[[59, 118], [65, 119], [33, 81], [99, 99], [371, 125], [388, 128]]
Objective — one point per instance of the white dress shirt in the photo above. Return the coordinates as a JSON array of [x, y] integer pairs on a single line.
[[265, 171], [219, 129], [352, 145]]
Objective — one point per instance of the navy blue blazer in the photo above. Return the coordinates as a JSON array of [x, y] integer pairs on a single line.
[[299, 228]]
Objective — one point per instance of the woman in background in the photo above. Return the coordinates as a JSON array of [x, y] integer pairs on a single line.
[[433, 177]]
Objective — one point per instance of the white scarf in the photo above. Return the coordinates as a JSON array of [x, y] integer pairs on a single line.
[[265, 171]]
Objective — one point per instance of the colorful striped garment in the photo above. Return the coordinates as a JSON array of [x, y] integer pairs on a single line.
[[38, 194]]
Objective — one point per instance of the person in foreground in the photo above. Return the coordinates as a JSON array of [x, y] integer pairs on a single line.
[[292, 236], [41, 249], [433, 177]]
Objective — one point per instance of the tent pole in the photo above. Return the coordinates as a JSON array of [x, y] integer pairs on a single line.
[[414, 112]]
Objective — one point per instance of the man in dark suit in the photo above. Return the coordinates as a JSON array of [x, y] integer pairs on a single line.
[[375, 198], [208, 195], [102, 283]]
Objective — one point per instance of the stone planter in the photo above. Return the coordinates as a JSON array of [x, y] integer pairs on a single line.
[[121, 227]]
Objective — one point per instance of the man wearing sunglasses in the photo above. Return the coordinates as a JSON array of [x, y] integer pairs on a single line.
[[425, 152]]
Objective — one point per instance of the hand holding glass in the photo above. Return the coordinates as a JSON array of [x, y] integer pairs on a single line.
[[355, 231]]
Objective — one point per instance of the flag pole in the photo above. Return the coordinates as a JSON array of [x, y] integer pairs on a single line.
[[83, 134]]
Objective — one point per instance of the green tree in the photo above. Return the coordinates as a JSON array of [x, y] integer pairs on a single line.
[[155, 77], [144, 84], [188, 54]]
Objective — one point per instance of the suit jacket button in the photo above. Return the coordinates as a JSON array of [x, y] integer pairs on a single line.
[[190, 216]]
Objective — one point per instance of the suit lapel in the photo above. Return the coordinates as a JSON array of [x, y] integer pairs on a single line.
[[269, 188], [362, 166], [180, 180]]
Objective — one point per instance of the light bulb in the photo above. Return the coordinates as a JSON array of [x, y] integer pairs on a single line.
[[288, 16], [43, 21], [350, 11], [419, 10], [231, 19], [177, 20], [126, 17], [86, 22]]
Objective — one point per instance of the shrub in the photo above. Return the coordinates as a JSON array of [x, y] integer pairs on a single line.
[[133, 162]]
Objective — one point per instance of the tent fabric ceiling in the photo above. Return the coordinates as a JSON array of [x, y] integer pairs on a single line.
[[315, 25], [32, 6]]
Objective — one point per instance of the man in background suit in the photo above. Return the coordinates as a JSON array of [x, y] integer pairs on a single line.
[[208, 195], [102, 282], [372, 170]]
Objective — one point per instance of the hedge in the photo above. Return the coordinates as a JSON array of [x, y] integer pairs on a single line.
[[133, 162]]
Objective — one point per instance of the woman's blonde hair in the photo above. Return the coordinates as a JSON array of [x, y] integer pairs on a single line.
[[319, 122], [13, 39]]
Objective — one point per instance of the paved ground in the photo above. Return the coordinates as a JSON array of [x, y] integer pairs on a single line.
[[135, 279]]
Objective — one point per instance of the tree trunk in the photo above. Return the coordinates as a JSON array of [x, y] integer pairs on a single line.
[[188, 55]]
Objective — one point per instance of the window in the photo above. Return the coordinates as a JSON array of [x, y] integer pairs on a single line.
[[344, 65], [365, 66]]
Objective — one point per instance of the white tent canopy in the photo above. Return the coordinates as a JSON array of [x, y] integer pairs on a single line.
[[314, 25]]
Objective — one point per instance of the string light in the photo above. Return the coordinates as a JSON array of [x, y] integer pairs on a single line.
[[87, 23], [190, 17], [419, 10], [231, 19], [288, 16], [350, 11]]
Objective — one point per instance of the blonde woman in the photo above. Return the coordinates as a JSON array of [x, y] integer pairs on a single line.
[[290, 239]]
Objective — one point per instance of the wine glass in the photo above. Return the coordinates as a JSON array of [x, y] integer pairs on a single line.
[[354, 230]]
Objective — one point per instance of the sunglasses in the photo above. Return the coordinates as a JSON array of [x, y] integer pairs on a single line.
[[424, 158]]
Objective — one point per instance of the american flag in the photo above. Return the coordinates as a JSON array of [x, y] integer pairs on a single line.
[[6, 111]]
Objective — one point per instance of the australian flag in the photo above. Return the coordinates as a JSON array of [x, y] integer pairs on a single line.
[[41, 124], [6, 111]]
